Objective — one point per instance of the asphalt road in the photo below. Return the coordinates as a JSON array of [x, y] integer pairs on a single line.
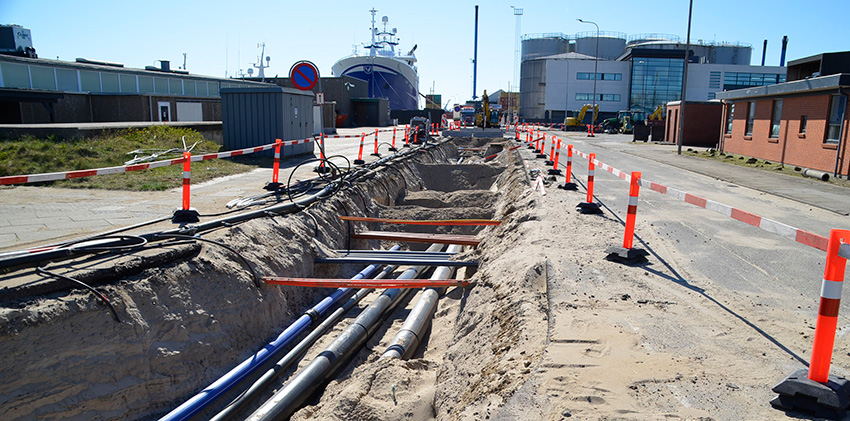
[[730, 253]]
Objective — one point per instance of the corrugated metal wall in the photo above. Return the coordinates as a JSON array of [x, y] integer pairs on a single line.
[[258, 116]]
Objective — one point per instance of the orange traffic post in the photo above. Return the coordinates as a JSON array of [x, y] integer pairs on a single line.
[[541, 146], [555, 170], [551, 160], [627, 253], [406, 136], [568, 184], [815, 391], [376, 145], [274, 185], [359, 159], [186, 214], [393, 148], [588, 207], [322, 168]]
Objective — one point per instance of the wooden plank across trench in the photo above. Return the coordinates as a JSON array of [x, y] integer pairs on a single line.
[[415, 237], [462, 222]]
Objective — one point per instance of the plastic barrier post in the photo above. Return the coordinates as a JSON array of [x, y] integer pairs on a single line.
[[528, 135], [627, 253], [376, 145], [187, 214], [551, 160], [541, 146], [393, 148], [359, 160], [555, 170], [568, 184], [406, 136], [817, 392], [322, 168], [274, 184], [588, 207]]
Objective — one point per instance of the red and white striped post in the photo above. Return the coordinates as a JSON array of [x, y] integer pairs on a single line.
[[277, 143], [551, 160], [588, 206], [376, 145], [568, 184], [186, 214], [322, 169], [393, 148], [627, 253], [359, 159], [816, 391], [541, 146], [557, 149]]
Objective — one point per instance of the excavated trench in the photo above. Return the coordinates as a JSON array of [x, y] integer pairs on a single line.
[[187, 322]]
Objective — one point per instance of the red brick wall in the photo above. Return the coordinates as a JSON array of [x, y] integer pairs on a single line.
[[805, 150]]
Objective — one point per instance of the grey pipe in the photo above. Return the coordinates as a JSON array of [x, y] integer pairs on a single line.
[[411, 333], [263, 382], [816, 174], [294, 393]]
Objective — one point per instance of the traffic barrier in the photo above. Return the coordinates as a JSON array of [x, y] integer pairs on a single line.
[[359, 160], [322, 168], [376, 145], [590, 130], [393, 148], [568, 184], [274, 185], [406, 136], [541, 146], [627, 253], [186, 214], [555, 170], [588, 206], [818, 392], [551, 160]]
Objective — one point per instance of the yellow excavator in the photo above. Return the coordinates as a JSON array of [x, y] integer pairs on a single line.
[[575, 123]]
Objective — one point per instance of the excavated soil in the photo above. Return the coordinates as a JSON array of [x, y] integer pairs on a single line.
[[549, 330]]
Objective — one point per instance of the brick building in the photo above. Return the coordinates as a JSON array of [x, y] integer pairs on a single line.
[[803, 122], [702, 125]]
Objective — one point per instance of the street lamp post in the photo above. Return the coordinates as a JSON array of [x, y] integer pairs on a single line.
[[595, 67]]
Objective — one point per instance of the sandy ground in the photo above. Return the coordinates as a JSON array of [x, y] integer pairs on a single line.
[[550, 330]]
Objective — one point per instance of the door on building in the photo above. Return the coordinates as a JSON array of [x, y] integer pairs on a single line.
[[164, 111]]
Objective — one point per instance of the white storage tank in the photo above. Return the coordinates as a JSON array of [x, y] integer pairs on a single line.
[[542, 45], [611, 44]]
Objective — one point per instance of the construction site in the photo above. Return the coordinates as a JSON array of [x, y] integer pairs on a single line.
[[469, 286]]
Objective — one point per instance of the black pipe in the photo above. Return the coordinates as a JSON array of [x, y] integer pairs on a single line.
[[763, 52], [293, 394], [784, 48]]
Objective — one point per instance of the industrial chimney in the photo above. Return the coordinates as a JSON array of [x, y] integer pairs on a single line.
[[784, 47]]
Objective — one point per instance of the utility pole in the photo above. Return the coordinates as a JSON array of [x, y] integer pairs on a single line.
[[685, 81]]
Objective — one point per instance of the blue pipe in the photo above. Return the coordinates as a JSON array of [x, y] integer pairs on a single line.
[[212, 392]]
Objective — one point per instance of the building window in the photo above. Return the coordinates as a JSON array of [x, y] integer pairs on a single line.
[[751, 116], [836, 117], [776, 118], [599, 97], [599, 76], [734, 80], [730, 115], [655, 81], [803, 121]]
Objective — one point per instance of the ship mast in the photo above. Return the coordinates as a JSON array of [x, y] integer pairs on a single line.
[[372, 47]]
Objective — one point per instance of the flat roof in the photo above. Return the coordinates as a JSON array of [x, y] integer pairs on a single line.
[[814, 84]]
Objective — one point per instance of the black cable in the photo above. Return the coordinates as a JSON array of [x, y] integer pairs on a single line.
[[42, 271], [218, 243]]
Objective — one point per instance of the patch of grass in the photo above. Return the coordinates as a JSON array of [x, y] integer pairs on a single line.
[[761, 164], [30, 155]]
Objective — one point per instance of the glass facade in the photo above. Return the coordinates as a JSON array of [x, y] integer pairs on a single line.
[[733, 80], [836, 117], [655, 81], [730, 116], [751, 118], [776, 118]]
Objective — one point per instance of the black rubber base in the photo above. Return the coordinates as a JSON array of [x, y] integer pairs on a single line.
[[568, 186], [540, 155], [185, 216], [393, 149], [590, 135], [359, 162], [624, 255], [272, 186], [798, 393], [405, 146], [554, 172], [549, 163], [531, 147], [375, 154], [588, 208], [322, 170]]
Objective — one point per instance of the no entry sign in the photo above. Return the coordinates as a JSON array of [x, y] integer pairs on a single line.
[[304, 75]]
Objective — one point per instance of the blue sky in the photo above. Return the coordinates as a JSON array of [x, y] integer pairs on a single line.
[[221, 37]]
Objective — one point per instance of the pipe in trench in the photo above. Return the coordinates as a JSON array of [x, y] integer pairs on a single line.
[[294, 393], [410, 335], [263, 382], [226, 382]]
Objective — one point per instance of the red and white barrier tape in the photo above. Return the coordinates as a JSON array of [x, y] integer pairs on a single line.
[[787, 231], [67, 175]]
